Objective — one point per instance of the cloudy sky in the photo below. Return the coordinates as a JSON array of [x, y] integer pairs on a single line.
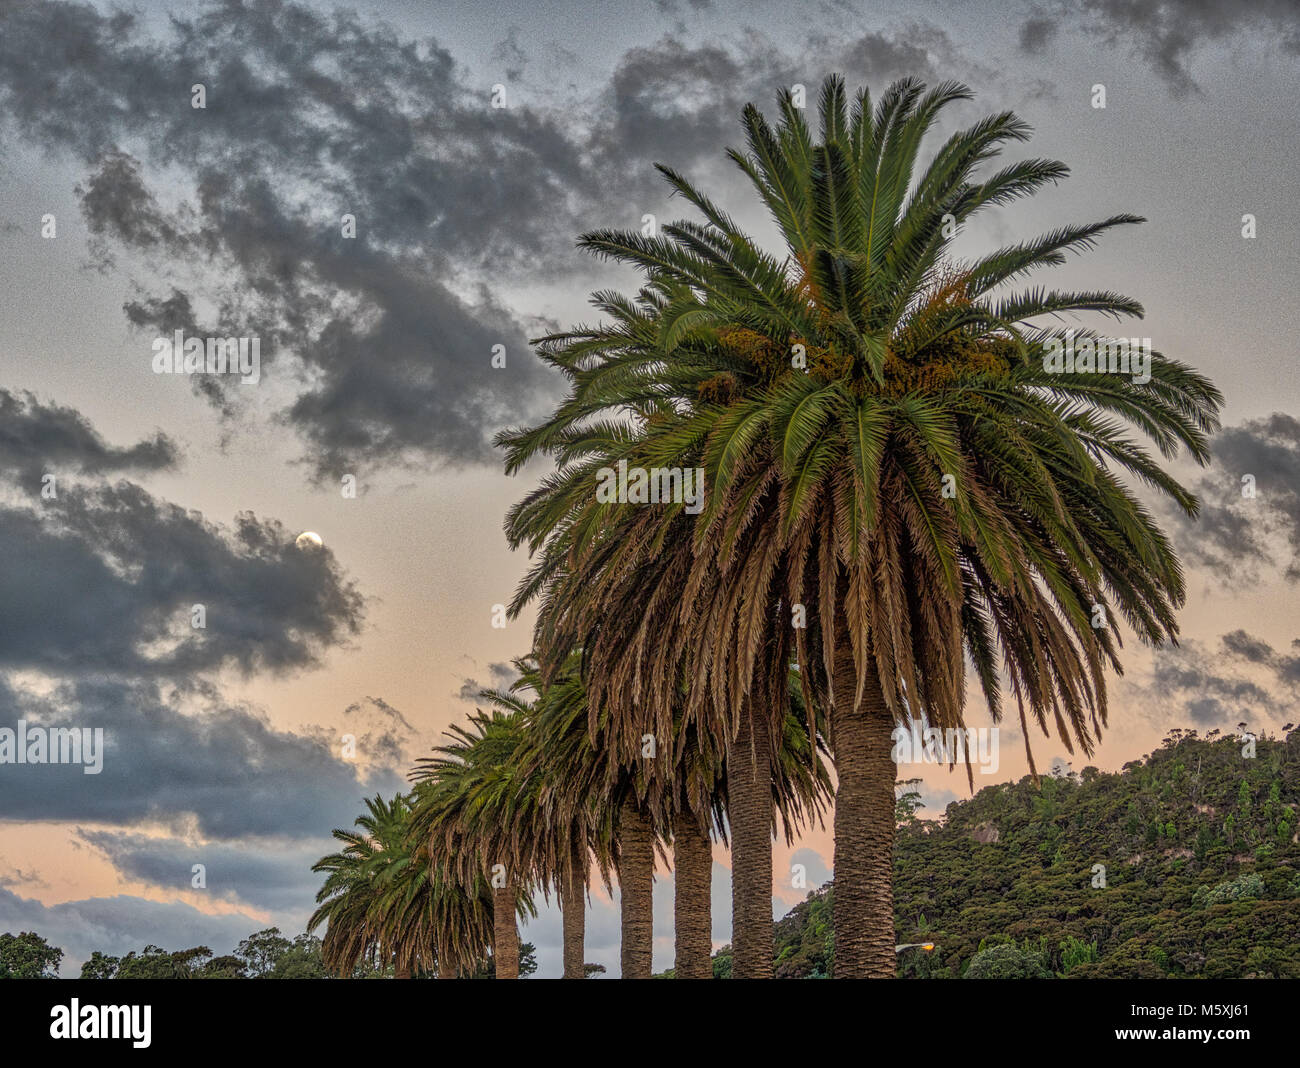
[[126, 214]]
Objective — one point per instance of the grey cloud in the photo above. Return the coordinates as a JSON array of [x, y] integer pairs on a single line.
[[674, 7], [37, 438], [104, 579], [501, 676], [220, 769], [310, 117], [116, 202], [387, 733], [510, 54], [817, 871], [1256, 651], [1167, 32], [18, 877], [1252, 649], [259, 873], [1205, 687], [677, 102], [386, 338], [1236, 535], [1037, 33]]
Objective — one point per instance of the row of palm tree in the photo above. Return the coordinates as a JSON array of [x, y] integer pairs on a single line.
[[900, 494], [524, 801]]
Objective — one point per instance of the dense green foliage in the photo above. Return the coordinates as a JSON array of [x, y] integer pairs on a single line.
[[1202, 874], [28, 956], [264, 955]]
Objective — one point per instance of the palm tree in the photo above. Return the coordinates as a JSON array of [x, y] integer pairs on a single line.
[[470, 799], [615, 577], [588, 797], [572, 802], [382, 902], [682, 786], [897, 478], [347, 898]]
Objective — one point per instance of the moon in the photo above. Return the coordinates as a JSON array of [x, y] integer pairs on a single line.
[[308, 539]]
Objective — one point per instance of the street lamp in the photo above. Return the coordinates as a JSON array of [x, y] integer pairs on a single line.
[[927, 946]]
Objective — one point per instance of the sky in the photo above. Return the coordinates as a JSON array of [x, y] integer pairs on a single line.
[[127, 497]]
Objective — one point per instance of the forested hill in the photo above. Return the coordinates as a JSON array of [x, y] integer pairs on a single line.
[[1202, 873]]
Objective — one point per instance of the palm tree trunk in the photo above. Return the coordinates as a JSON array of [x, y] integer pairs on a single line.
[[749, 797], [636, 873], [692, 915], [861, 742], [446, 967], [505, 944], [401, 971], [572, 910]]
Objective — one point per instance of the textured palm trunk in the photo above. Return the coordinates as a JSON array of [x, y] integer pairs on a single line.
[[692, 915], [864, 825], [505, 944], [572, 911], [749, 799], [636, 873], [401, 971]]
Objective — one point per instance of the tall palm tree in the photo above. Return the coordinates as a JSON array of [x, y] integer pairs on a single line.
[[898, 481], [618, 576], [682, 784], [346, 901], [571, 814], [471, 809], [647, 801], [588, 796]]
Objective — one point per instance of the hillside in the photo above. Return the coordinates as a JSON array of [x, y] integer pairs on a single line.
[[1202, 874]]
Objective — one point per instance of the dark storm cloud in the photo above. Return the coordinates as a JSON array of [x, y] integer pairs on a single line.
[[38, 438], [223, 768], [271, 875], [1236, 534], [311, 117], [104, 579], [1166, 32], [231, 214], [117, 925]]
